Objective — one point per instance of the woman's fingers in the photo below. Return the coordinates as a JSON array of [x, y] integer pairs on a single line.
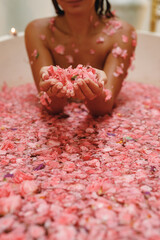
[[53, 90], [78, 93], [101, 76], [70, 93], [50, 85], [87, 92], [44, 73], [95, 88], [45, 85], [89, 88], [61, 93]]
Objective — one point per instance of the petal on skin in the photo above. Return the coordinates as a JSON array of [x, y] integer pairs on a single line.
[[42, 37], [92, 51], [69, 59], [60, 49], [100, 40], [124, 38], [108, 94]]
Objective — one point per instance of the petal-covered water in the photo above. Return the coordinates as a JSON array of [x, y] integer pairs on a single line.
[[72, 176]]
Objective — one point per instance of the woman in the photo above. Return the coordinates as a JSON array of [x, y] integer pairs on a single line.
[[83, 32]]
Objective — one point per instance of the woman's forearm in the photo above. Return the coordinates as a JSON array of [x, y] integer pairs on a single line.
[[99, 106]]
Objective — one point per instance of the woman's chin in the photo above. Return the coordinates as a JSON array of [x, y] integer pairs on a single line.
[[76, 10], [75, 6]]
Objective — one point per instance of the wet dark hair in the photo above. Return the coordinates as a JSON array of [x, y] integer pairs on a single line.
[[99, 7]]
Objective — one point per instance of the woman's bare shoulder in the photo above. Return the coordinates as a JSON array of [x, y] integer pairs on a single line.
[[38, 25], [127, 27], [119, 24], [121, 28]]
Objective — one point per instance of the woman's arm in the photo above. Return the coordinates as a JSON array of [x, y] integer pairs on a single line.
[[115, 67], [39, 56]]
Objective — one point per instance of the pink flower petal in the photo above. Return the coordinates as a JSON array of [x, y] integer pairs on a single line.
[[134, 42], [96, 23], [69, 59], [134, 35], [91, 18], [45, 99], [42, 37], [124, 38], [92, 51], [28, 187], [10, 204], [36, 231], [76, 50], [35, 54], [60, 49], [100, 40], [124, 54], [108, 94], [117, 51]]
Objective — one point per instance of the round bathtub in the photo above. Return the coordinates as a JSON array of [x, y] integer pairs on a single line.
[[72, 176], [15, 69]]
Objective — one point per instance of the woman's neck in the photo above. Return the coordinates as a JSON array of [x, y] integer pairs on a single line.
[[80, 26]]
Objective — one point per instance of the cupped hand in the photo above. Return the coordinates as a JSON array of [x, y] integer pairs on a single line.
[[88, 89], [51, 86], [102, 77]]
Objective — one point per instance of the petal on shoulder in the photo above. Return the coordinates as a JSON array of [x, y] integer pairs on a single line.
[[126, 37]]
